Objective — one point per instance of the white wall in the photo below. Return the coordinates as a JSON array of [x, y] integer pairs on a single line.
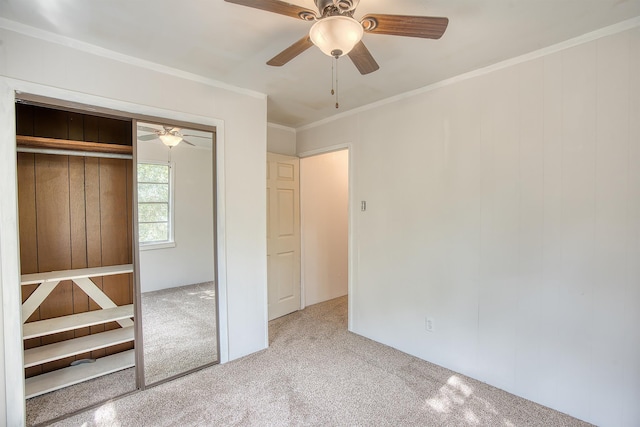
[[53, 66], [191, 260], [507, 207], [281, 140], [324, 210]]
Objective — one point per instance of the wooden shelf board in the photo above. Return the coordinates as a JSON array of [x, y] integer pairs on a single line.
[[65, 377], [75, 321], [65, 144], [47, 353], [35, 278]]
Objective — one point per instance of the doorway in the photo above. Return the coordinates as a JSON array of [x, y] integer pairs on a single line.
[[324, 208], [307, 230]]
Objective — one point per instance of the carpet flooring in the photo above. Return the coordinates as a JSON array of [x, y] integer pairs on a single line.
[[49, 406], [316, 373], [178, 329]]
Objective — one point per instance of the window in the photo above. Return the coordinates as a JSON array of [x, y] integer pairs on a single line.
[[155, 210]]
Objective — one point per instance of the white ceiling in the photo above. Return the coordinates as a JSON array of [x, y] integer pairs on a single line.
[[232, 43]]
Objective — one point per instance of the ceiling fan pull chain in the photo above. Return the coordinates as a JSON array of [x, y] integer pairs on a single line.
[[337, 104], [333, 74]]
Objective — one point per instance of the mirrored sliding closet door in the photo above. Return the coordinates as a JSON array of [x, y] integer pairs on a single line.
[[176, 235]]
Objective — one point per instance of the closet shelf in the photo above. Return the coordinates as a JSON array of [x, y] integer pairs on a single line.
[[48, 353], [71, 375], [75, 321], [64, 144], [51, 276]]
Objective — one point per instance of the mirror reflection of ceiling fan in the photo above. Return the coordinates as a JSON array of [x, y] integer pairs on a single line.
[[336, 32], [169, 135]]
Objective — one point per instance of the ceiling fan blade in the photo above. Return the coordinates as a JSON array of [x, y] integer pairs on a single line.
[[428, 27], [147, 129], [147, 137], [291, 52], [276, 6], [187, 142], [362, 59], [196, 136]]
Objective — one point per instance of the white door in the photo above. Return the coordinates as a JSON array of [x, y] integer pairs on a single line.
[[283, 234]]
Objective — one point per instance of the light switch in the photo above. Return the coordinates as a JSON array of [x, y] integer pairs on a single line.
[[363, 205]]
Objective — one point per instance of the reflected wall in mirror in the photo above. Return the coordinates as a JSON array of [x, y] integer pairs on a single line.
[[175, 179]]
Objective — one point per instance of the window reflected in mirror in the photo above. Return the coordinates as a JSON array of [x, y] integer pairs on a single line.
[[175, 213]]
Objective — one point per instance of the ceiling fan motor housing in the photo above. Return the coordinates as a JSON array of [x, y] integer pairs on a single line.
[[331, 7], [346, 5]]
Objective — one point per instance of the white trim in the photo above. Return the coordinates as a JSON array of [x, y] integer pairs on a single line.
[[171, 241], [221, 238], [567, 44], [303, 291], [9, 244], [48, 36], [85, 99], [281, 127], [13, 371], [159, 245], [353, 256], [324, 150]]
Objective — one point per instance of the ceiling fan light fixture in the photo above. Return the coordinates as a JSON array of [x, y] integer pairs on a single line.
[[170, 140], [336, 35]]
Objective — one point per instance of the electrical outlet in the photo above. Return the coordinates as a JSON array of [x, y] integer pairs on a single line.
[[428, 324]]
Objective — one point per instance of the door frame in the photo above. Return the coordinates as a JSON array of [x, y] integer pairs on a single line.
[[10, 90], [351, 223]]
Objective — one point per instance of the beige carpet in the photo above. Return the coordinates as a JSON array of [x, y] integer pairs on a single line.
[[179, 330], [316, 373], [179, 334], [46, 407]]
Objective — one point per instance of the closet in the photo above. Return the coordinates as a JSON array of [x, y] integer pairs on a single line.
[[75, 188]]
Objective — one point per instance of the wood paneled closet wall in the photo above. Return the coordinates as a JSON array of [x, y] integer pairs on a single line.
[[74, 212]]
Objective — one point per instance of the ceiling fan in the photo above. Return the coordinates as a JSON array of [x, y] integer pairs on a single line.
[[169, 135], [336, 32]]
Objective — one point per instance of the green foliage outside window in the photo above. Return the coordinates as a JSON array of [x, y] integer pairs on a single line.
[[154, 203]]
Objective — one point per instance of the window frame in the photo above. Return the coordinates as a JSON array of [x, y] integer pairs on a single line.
[[171, 242]]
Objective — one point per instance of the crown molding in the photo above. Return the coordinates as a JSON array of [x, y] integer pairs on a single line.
[[585, 38], [48, 36], [281, 127]]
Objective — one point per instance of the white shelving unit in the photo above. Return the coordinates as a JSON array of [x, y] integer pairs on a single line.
[[109, 312], [55, 380]]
